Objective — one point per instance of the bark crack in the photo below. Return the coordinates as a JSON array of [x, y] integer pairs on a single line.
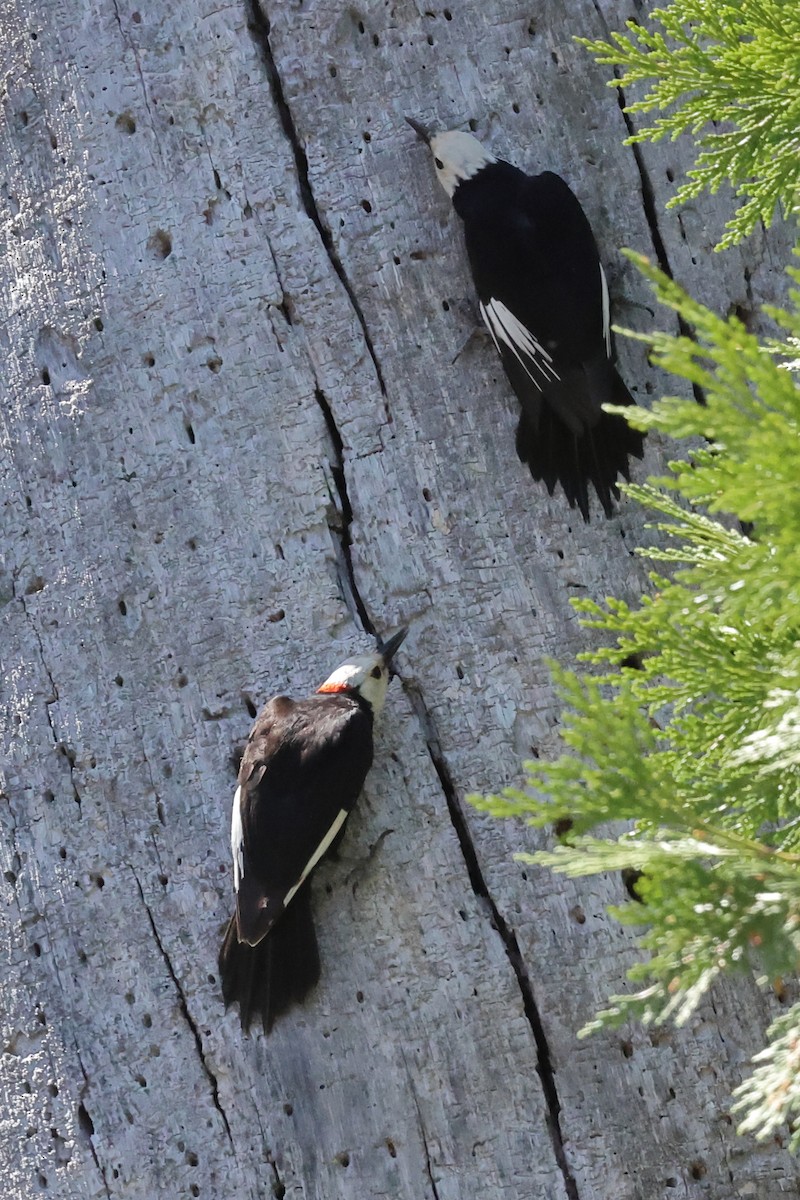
[[651, 216], [278, 1186], [544, 1062], [86, 1124], [341, 529], [259, 26], [184, 1008], [61, 746], [649, 207], [131, 46], [421, 1126]]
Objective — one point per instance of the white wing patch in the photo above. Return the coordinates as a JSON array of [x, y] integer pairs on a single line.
[[505, 327], [237, 839], [318, 853], [606, 311]]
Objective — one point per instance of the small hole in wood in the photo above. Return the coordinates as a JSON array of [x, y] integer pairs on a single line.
[[160, 244]]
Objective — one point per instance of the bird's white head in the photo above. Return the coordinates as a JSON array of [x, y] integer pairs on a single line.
[[457, 156], [367, 674]]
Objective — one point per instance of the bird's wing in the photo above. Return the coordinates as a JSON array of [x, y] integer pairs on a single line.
[[302, 771], [510, 336]]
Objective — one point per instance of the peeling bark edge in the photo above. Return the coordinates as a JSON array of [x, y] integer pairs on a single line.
[[258, 23], [544, 1064]]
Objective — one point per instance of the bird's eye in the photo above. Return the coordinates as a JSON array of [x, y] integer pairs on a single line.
[[439, 164], [375, 672]]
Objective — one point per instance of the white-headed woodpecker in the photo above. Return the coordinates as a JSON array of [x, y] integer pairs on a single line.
[[544, 298], [301, 773]]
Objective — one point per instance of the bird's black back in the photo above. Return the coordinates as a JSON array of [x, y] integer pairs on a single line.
[[532, 250], [305, 761]]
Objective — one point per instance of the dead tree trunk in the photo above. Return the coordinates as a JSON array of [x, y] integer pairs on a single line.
[[238, 435]]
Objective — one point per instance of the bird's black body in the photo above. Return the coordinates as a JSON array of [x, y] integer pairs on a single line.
[[532, 251], [302, 771]]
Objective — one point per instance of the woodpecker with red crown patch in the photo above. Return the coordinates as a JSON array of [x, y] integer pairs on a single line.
[[544, 299], [301, 773]]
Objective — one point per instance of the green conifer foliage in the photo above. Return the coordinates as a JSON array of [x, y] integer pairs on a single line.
[[697, 747], [727, 72]]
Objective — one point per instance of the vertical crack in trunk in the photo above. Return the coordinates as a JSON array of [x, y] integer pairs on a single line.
[[651, 215], [259, 25], [544, 1064], [60, 745], [278, 1186], [341, 532], [184, 1007], [421, 1125], [648, 197], [86, 1124]]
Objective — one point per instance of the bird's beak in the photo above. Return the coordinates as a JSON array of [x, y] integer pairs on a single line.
[[388, 649], [422, 133]]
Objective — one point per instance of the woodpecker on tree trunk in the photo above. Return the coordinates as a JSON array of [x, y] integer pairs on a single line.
[[544, 299], [301, 773]]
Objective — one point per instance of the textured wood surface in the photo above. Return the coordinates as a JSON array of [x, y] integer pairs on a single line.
[[244, 423]]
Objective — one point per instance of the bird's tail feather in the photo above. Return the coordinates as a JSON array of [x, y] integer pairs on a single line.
[[597, 455], [267, 979]]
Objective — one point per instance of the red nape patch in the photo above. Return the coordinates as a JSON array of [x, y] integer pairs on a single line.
[[328, 686]]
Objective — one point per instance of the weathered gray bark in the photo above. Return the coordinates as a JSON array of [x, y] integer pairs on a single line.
[[237, 434]]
